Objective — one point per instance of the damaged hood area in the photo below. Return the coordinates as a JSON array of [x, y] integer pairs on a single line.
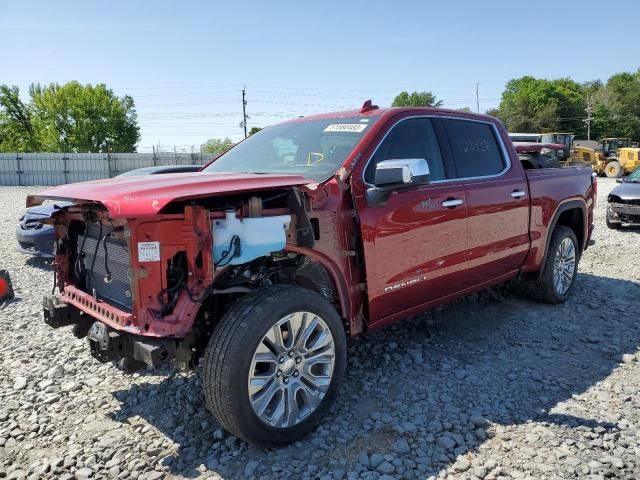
[[127, 197], [627, 191]]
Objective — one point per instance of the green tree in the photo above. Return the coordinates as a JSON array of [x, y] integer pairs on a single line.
[[416, 99], [216, 146], [16, 128], [531, 104], [618, 106], [254, 130], [68, 118]]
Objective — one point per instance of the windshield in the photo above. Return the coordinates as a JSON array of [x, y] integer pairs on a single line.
[[634, 176], [312, 148]]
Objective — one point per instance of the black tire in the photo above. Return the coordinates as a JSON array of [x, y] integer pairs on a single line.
[[529, 162], [230, 351], [542, 287]]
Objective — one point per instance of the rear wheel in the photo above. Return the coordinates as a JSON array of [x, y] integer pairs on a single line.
[[274, 364], [613, 169], [555, 282]]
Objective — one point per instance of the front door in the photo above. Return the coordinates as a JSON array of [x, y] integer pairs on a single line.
[[415, 245]]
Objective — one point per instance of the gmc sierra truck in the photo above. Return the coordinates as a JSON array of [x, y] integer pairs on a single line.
[[257, 268]]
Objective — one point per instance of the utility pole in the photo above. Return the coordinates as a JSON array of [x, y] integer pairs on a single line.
[[244, 112], [477, 99], [589, 109]]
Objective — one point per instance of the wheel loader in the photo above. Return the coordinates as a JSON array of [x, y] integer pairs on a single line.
[[617, 157]]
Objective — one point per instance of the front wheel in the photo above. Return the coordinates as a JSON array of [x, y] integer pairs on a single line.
[[555, 282], [274, 364], [613, 169]]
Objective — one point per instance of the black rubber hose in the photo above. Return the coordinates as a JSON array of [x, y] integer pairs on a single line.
[[106, 252], [76, 268], [230, 253], [95, 253]]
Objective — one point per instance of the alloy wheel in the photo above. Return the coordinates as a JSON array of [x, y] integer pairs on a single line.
[[564, 266], [291, 369]]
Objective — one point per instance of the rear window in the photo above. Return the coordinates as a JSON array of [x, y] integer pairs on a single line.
[[476, 152]]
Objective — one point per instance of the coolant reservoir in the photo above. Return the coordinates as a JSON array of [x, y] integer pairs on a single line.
[[256, 237]]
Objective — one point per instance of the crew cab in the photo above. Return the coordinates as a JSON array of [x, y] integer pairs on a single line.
[[259, 267]]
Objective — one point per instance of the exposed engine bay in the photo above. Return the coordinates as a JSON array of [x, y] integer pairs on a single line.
[[103, 264], [150, 277]]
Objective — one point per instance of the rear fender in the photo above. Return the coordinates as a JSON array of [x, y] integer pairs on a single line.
[[564, 207]]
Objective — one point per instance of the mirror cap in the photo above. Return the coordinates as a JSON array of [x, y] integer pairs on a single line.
[[402, 172]]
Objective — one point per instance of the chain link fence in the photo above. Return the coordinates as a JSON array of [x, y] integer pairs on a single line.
[[60, 168]]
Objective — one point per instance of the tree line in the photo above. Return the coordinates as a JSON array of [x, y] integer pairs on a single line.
[[91, 118], [538, 105], [67, 118]]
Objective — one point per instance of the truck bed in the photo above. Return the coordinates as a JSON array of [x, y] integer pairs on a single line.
[[549, 189]]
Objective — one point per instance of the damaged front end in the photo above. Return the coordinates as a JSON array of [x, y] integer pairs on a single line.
[[623, 211], [135, 286], [128, 284]]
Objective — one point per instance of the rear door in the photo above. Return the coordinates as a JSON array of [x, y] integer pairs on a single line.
[[415, 245], [497, 199]]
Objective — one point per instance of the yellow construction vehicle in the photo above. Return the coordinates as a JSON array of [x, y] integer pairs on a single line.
[[610, 146], [570, 154], [617, 157], [628, 159]]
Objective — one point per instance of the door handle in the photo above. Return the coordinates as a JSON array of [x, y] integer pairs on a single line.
[[452, 202], [517, 194]]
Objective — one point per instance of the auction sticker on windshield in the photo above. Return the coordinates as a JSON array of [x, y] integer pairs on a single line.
[[346, 127]]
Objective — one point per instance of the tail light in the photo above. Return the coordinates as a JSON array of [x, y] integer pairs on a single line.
[[594, 184]]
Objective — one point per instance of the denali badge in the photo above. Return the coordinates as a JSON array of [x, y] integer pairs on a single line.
[[413, 281]]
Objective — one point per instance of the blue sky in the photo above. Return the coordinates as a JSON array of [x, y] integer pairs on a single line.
[[185, 63]]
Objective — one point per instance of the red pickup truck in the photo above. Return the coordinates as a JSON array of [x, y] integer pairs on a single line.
[[258, 267]]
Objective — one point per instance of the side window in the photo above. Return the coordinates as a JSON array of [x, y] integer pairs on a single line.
[[412, 138], [476, 152]]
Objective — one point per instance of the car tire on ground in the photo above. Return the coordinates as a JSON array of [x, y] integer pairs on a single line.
[[558, 275], [613, 169], [274, 364]]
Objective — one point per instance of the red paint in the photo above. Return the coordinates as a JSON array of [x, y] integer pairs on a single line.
[[414, 248], [135, 197], [386, 262], [550, 188], [530, 147]]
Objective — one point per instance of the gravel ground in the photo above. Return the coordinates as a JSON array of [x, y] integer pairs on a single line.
[[494, 387]]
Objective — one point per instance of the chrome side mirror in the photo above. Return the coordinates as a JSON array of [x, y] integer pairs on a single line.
[[393, 175], [402, 173]]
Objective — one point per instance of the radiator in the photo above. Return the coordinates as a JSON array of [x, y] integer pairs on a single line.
[[115, 290]]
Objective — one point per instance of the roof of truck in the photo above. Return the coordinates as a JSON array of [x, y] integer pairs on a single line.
[[386, 112]]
